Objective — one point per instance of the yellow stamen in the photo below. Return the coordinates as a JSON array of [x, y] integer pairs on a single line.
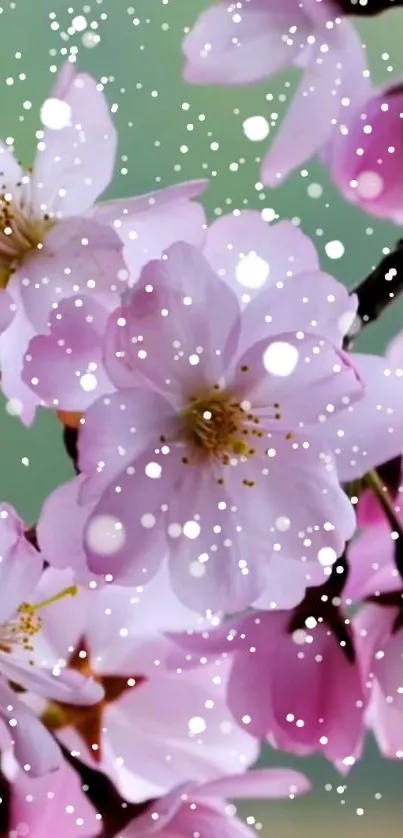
[[72, 590]]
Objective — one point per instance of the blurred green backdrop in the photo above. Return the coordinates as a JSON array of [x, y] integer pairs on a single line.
[[170, 131]]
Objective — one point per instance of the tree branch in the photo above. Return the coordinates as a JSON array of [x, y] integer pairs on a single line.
[[377, 292]]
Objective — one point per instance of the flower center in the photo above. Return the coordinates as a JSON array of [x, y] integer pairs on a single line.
[[20, 234], [216, 425], [88, 720], [20, 631]]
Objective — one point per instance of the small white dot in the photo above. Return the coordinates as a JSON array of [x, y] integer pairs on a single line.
[[256, 128], [280, 358], [197, 724], [105, 535]]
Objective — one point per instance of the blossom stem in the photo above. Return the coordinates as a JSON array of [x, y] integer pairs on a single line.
[[376, 292]]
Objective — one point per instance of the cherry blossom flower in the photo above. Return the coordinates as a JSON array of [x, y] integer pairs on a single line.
[[115, 636], [246, 42], [54, 244], [293, 681], [199, 808], [20, 663], [218, 455]]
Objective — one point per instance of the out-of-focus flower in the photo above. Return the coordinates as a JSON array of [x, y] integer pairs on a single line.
[[51, 805], [367, 151], [379, 632], [212, 445], [200, 808], [20, 662], [154, 727], [248, 41], [293, 682], [54, 244]]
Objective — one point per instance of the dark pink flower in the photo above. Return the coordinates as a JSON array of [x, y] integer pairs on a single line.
[[365, 154]]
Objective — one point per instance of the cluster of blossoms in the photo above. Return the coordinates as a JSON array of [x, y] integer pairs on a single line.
[[225, 568]]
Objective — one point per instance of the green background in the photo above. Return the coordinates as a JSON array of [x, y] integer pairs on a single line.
[[136, 53]]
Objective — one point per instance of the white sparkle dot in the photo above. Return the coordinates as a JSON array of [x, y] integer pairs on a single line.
[[196, 724], [283, 523], [252, 271], [153, 470], [280, 358], [369, 185], [256, 128], [197, 569], [334, 249], [88, 382], [105, 535], [191, 529], [148, 520], [79, 23], [55, 114], [327, 556]]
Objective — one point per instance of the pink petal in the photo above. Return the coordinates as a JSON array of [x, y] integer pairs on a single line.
[[34, 746], [301, 511], [315, 110], [20, 565], [7, 310], [313, 303], [75, 164], [125, 535], [60, 528], [369, 556], [293, 382], [213, 566], [385, 720], [286, 581], [69, 687], [149, 224], [53, 805], [369, 179], [251, 255], [219, 748], [265, 783], [241, 48], [65, 368], [107, 436], [79, 257], [388, 668], [164, 334], [13, 345], [370, 431]]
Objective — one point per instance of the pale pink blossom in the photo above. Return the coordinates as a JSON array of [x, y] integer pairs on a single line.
[[292, 682], [199, 808], [55, 244], [20, 661], [155, 727], [247, 42]]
